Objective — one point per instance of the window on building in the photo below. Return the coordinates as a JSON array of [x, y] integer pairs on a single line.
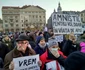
[[21, 20], [11, 25], [6, 25], [40, 16], [17, 29], [36, 16], [33, 16], [32, 11], [43, 16], [5, 21], [40, 19], [11, 20], [22, 29], [6, 30], [22, 25], [16, 20], [12, 30], [26, 24], [81, 15], [16, 16], [17, 25], [26, 20]]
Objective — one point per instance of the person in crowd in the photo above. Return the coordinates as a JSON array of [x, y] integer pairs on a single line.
[[40, 34], [6, 40], [1, 63], [76, 60], [31, 38], [80, 39], [40, 45], [22, 49], [70, 45], [46, 35], [3, 50], [52, 53]]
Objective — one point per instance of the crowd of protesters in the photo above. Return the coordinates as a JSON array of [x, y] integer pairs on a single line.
[[70, 54]]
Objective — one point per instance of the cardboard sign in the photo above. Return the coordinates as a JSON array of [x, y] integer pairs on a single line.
[[26, 63], [66, 23], [59, 38]]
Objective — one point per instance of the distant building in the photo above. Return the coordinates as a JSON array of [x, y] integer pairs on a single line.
[[59, 10], [1, 25], [23, 18], [82, 14]]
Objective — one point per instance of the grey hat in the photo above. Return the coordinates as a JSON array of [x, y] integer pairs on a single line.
[[52, 42]]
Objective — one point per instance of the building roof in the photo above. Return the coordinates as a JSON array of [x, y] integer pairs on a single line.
[[26, 6], [6, 7], [23, 7], [82, 11]]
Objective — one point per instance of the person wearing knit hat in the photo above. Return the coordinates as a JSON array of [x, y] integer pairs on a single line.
[[52, 42], [52, 53], [40, 45], [39, 38]]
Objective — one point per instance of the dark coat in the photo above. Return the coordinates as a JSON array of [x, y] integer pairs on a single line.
[[33, 44], [46, 36], [40, 50], [14, 54], [69, 47], [3, 50], [75, 61]]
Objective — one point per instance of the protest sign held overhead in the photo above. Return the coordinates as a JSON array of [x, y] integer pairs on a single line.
[[66, 23]]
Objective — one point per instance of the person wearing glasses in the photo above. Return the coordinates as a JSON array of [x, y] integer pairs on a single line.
[[22, 49]]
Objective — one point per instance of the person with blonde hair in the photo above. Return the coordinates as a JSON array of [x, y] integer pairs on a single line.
[[70, 45]]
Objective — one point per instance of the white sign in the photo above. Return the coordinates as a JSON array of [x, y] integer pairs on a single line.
[[66, 23], [59, 38], [26, 63], [45, 29], [53, 66]]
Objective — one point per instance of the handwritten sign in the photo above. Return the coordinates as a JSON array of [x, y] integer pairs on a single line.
[[59, 38], [66, 23], [26, 63]]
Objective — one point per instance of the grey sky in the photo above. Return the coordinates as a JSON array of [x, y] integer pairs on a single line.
[[48, 5]]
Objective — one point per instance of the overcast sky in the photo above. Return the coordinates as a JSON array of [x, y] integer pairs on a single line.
[[48, 5]]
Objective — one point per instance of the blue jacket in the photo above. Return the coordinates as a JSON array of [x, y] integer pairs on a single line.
[[40, 50]]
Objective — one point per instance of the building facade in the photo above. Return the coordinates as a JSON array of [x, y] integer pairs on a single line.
[[23, 18], [1, 25], [82, 14], [59, 11]]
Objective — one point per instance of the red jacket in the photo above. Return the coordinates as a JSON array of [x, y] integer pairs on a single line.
[[44, 59]]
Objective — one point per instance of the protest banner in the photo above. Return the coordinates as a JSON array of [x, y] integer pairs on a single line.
[[66, 23], [59, 38], [26, 63]]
